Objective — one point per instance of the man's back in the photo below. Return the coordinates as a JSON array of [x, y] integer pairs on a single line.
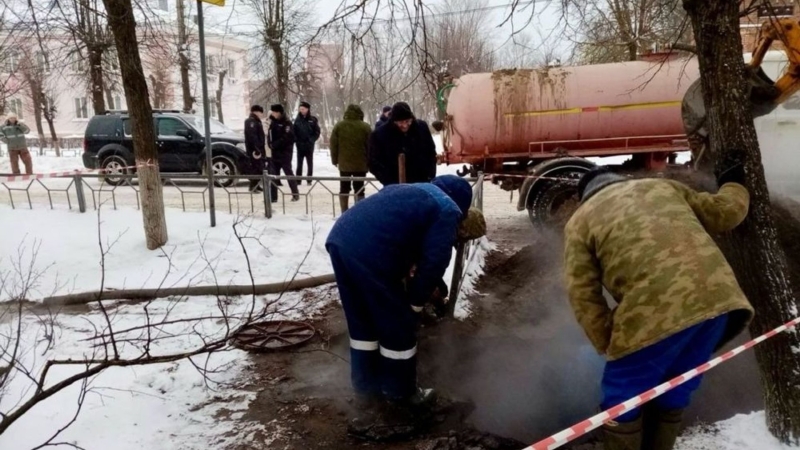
[[386, 230], [651, 239]]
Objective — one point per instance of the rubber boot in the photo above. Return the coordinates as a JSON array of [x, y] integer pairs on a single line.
[[666, 429], [344, 202], [623, 436]]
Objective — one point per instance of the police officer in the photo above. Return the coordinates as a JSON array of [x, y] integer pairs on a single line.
[[281, 142], [255, 144]]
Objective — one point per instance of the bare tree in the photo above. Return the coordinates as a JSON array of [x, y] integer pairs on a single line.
[[612, 31], [524, 50], [282, 30], [86, 26], [757, 257], [184, 61], [122, 21], [218, 96], [111, 345]]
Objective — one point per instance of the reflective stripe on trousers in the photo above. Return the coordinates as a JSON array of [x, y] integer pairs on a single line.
[[398, 355], [366, 346]]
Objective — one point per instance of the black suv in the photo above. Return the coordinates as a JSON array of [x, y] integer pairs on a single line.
[[108, 144]]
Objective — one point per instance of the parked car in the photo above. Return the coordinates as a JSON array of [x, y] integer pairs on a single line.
[[108, 145]]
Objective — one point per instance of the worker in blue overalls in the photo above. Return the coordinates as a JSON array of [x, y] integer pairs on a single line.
[[373, 247]]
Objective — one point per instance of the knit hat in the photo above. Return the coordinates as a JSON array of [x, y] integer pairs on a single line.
[[458, 189], [401, 111], [277, 107], [473, 227], [596, 179], [306, 104], [256, 108], [386, 109]]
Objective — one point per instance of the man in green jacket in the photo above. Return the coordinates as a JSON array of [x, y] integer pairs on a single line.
[[677, 301], [349, 140], [12, 133]]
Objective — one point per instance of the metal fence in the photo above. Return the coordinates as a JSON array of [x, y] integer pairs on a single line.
[[88, 191]]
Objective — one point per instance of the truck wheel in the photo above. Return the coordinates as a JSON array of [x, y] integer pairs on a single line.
[[113, 166], [555, 201]]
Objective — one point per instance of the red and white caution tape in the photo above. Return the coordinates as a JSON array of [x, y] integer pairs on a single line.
[[579, 429], [40, 176]]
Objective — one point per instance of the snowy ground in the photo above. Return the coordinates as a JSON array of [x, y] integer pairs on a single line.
[[195, 254], [742, 432], [170, 406]]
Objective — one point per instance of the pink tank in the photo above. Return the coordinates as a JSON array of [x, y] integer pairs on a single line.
[[598, 110]]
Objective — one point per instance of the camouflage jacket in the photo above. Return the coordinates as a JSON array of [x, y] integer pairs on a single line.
[[647, 242]]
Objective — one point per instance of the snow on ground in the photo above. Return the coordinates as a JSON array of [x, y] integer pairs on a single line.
[[194, 255], [48, 162], [742, 432], [163, 406]]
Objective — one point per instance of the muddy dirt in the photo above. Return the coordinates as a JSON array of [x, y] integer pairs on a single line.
[[520, 361]]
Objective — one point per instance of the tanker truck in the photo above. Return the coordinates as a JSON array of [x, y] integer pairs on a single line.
[[532, 130]]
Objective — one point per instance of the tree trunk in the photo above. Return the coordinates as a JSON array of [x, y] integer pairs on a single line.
[[183, 57], [122, 23], [53, 136], [96, 79], [218, 99], [37, 98], [755, 254], [281, 74]]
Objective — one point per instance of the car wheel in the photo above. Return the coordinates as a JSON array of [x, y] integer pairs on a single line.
[[113, 166], [222, 166]]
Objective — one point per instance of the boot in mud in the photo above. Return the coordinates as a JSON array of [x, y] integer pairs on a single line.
[[665, 429], [623, 436], [344, 203]]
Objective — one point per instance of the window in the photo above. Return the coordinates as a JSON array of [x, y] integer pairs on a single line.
[[81, 108], [112, 60], [126, 127], [116, 102], [78, 65], [15, 106], [212, 64], [169, 126], [231, 68], [212, 103], [163, 5], [49, 106], [12, 63], [43, 61]]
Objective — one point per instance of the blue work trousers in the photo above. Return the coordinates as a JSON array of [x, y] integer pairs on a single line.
[[645, 369], [382, 327]]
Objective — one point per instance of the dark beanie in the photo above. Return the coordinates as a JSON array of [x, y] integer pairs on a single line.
[[256, 108], [277, 107], [401, 111], [589, 176], [306, 104], [386, 109]]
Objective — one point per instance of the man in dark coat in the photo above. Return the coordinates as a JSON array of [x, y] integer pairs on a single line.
[[306, 133], [373, 248], [281, 142], [407, 135], [255, 144], [349, 140], [384, 117]]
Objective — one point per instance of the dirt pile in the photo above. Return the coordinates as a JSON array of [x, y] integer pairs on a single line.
[[470, 440]]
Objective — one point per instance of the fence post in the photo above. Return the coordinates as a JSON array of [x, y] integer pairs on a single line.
[[79, 193], [455, 282], [266, 182]]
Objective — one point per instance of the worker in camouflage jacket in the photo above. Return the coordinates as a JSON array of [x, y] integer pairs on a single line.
[[647, 243], [349, 140]]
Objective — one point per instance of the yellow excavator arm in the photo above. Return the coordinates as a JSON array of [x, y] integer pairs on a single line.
[[786, 30]]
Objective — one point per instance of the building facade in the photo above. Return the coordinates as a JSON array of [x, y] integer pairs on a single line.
[[62, 74]]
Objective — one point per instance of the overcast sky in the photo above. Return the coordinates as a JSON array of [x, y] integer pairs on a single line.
[[545, 24]]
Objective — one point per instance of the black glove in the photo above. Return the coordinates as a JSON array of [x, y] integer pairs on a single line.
[[731, 174]]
